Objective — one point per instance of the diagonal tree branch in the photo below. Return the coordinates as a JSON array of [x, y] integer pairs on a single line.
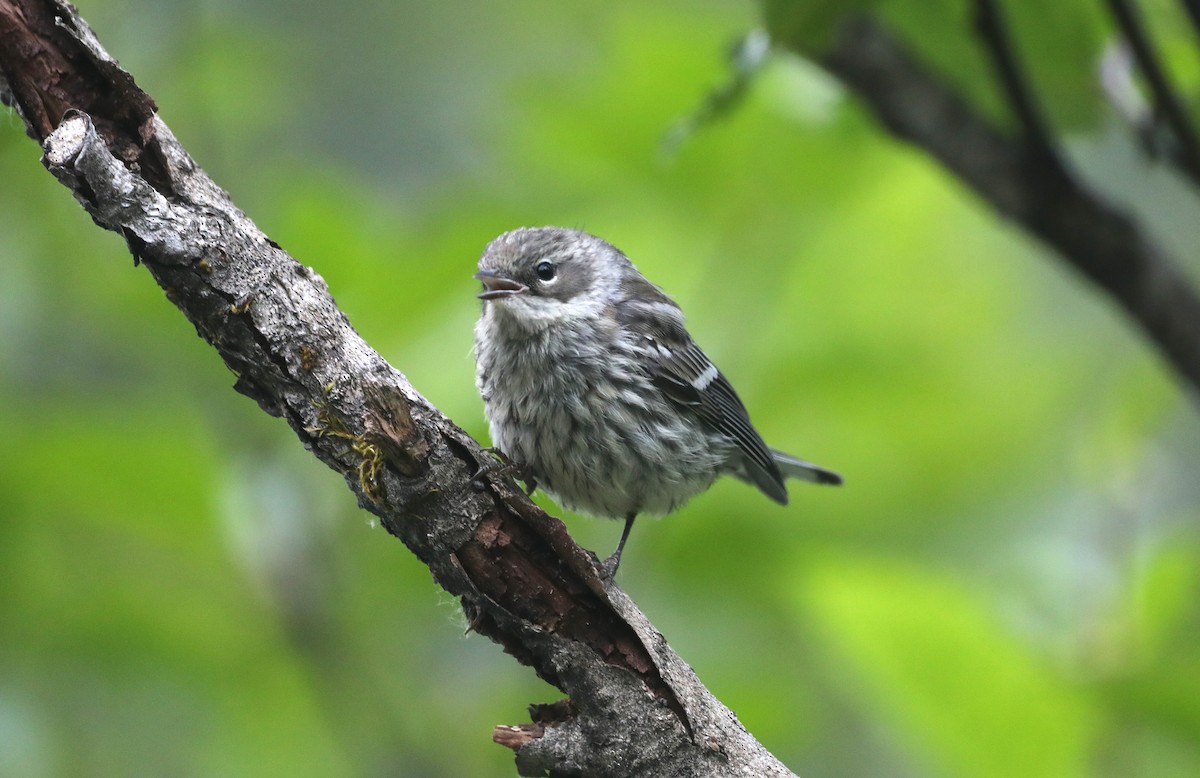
[[1095, 237], [634, 707]]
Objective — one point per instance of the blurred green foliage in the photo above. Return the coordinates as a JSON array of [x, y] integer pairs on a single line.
[[1005, 586]]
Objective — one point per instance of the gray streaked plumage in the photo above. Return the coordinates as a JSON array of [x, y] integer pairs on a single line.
[[591, 382]]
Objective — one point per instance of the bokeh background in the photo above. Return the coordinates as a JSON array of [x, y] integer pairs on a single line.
[[1007, 584]]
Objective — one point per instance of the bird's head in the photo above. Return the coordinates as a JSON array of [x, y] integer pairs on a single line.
[[540, 276]]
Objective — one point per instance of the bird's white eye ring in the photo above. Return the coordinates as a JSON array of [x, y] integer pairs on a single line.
[[545, 270]]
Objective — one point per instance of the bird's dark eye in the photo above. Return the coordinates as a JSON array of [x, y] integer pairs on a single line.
[[545, 270]]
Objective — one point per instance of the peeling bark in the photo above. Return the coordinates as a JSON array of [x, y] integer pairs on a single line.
[[634, 707]]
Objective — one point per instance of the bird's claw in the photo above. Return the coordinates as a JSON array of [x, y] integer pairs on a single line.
[[608, 568], [500, 464]]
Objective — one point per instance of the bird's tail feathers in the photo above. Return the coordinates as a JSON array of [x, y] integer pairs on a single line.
[[791, 467]]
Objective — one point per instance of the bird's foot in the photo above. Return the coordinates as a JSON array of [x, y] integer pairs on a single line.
[[500, 464], [608, 568]]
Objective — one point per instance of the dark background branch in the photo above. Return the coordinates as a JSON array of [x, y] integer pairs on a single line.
[[1193, 11], [1098, 239], [1167, 104], [999, 46], [875, 270]]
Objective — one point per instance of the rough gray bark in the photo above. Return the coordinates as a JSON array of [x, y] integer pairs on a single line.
[[633, 707]]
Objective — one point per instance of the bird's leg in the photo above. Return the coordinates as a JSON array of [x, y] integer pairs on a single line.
[[611, 564], [502, 465]]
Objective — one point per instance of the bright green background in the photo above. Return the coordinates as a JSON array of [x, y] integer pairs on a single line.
[[1007, 584]]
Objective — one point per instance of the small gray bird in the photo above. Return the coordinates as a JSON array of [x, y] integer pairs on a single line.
[[593, 388]]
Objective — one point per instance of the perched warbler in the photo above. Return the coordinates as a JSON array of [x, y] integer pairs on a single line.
[[594, 390]]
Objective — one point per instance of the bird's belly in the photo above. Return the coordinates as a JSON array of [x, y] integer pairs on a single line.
[[606, 446]]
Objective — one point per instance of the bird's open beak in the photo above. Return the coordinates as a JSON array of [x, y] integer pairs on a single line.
[[496, 286]]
